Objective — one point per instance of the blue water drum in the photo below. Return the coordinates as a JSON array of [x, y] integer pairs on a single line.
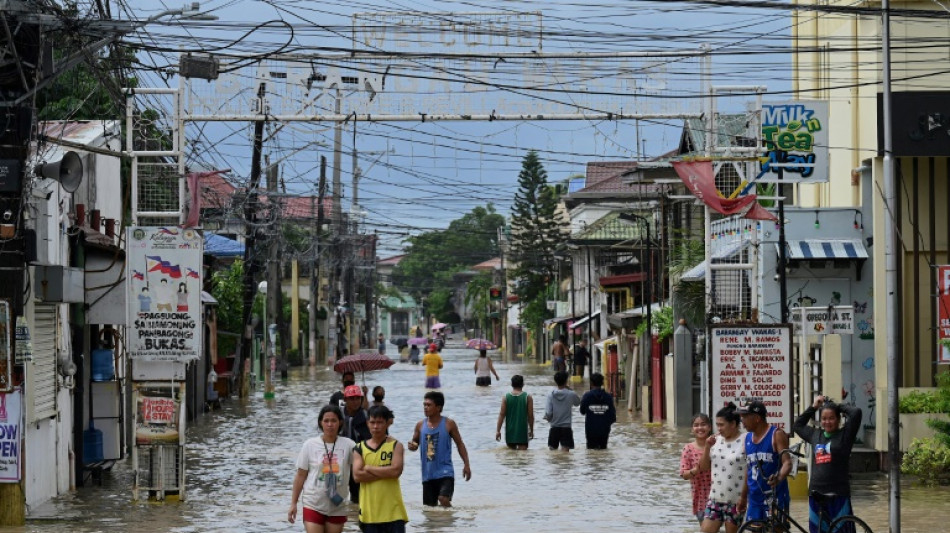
[[103, 365], [91, 445]]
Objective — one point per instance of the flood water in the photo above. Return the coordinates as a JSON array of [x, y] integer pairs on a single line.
[[240, 465]]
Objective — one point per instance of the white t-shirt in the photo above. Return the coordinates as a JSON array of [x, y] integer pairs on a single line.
[[728, 469], [320, 458]]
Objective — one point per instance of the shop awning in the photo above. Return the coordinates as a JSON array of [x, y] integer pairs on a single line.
[[698, 272], [584, 320], [622, 279], [551, 322], [602, 345], [826, 249]]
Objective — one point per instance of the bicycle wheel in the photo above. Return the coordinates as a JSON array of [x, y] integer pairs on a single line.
[[848, 524], [762, 526]]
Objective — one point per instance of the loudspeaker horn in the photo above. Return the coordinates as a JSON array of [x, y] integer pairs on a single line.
[[67, 171]]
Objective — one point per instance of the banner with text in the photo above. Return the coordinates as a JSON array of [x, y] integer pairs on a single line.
[[943, 313], [10, 437], [828, 320], [158, 414], [163, 281], [753, 363], [796, 141]]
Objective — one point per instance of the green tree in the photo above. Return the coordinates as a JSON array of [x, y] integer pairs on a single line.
[[227, 287], [477, 298], [433, 257], [536, 231]]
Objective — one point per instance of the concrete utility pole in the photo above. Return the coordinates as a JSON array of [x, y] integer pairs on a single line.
[[273, 278], [250, 225], [315, 270]]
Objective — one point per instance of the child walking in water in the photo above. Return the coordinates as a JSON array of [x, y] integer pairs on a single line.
[[700, 480]]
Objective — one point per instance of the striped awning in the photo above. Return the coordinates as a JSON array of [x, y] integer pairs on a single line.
[[822, 249]]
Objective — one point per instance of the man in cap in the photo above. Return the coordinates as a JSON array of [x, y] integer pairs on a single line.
[[433, 362], [337, 397], [355, 426], [769, 464]]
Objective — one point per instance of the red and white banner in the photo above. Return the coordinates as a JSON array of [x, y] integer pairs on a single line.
[[699, 177], [943, 313]]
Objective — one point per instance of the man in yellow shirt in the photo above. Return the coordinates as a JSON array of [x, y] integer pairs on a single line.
[[377, 465], [433, 362]]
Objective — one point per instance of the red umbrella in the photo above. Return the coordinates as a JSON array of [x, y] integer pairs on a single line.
[[363, 362], [481, 344]]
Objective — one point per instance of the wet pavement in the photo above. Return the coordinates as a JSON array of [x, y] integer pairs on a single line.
[[240, 465]]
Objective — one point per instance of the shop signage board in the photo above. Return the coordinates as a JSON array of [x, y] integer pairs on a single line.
[[795, 134], [10, 436], [163, 281], [753, 362], [158, 414]]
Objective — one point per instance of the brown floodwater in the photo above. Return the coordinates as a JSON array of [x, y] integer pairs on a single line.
[[240, 464]]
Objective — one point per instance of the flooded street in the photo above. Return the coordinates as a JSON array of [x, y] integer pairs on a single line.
[[240, 465]]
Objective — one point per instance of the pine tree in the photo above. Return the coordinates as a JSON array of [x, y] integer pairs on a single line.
[[536, 230]]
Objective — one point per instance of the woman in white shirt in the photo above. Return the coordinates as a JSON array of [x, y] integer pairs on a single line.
[[323, 476], [724, 455]]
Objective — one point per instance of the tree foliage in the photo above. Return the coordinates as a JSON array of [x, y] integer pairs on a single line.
[[477, 298], [536, 232], [433, 257]]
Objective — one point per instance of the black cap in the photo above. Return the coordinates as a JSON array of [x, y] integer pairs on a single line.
[[754, 408]]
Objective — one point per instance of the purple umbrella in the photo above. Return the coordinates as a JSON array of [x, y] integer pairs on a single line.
[[481, 344], [418, 341], [440, 325]]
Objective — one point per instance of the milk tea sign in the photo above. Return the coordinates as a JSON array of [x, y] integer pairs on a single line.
[[795, 135], [163, 280], [753, 363]]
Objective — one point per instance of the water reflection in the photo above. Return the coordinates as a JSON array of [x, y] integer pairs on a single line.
[[240, 463]]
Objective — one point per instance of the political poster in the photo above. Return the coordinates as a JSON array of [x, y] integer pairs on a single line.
[[749, 363], [10, 437], [163, 282], [158, 413]]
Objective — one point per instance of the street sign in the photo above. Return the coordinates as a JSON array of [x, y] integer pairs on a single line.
[[753, 363], [828, 320]]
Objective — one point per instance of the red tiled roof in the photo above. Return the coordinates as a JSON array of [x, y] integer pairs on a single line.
[[598, 171], [217, 192]]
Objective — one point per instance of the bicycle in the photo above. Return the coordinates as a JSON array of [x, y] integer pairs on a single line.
[[778, 520]]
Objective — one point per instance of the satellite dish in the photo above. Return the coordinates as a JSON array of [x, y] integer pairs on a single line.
[[67, 171]]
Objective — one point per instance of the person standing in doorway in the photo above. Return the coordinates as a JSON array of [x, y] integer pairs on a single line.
[[597, 406], [559, 354], [581, 357], [769, 464], [377, 466], [517, 413], [484, 369], [435, 434], [558, 413], [323, 476], [433, 363]]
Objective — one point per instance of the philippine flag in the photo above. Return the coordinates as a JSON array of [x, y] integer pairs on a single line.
[[138, 275], [156, 263], [192, 273], [168, 231]]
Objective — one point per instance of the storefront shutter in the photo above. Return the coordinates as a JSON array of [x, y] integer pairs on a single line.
[[41, 372]]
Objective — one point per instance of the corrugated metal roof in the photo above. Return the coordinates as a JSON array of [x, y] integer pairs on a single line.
[[611, 228]]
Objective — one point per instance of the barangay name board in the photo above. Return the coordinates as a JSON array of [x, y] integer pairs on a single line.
[[750, 363], [163, 284], [828, 320]]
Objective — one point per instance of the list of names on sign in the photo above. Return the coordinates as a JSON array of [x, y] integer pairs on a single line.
[[753, 363]]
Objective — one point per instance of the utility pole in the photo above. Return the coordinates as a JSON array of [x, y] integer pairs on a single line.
[[250, 225], [273, 278], [315, 271]]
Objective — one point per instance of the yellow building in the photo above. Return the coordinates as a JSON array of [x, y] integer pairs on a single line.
[[837, 57]]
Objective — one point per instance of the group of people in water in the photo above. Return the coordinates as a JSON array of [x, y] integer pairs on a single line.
[[731, 472], [354, 458]]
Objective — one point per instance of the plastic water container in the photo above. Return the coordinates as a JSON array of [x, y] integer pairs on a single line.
[[103, 365], [91, 445]]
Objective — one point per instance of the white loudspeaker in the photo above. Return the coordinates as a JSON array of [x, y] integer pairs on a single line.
[[67, 171]]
